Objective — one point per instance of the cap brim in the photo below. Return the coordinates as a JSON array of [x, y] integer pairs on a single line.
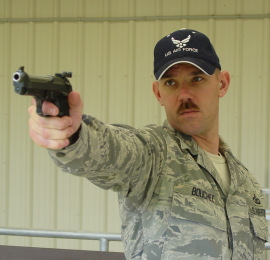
[[204, 66]]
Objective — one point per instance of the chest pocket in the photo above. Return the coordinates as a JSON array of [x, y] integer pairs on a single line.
[[197, 225], [256, 211], [259, 227], [259, 230], [198, 205]]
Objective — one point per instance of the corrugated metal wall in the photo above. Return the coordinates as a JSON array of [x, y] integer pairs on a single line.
[[111, 61]]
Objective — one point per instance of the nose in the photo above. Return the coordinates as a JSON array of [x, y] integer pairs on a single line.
[[184, 94]]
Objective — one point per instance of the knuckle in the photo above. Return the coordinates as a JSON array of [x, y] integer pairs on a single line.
[[45, 133], [68, 132], [56, 144], [32, 111], [31, 123], [62, 124], [66, 121], [36, 138], [43, 122]]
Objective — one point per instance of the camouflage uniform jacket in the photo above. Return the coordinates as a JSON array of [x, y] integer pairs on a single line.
[[171, 198]]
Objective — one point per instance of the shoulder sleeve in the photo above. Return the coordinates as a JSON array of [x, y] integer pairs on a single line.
[[116, 157]]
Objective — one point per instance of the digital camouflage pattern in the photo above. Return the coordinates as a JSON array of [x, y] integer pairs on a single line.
[[172, 200]]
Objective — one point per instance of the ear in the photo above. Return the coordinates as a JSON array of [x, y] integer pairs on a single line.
[[156, 91], [224, 79]]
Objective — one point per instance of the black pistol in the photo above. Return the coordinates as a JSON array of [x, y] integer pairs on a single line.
[[54, 89]]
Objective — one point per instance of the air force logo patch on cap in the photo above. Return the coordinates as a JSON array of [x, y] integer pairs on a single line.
[[182, 43], [181, 46], [185, 46]]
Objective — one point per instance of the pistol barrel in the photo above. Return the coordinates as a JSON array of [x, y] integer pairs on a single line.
[[17, 77]]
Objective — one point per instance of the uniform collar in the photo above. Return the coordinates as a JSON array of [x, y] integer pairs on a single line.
[[237, 170], [186, 142]]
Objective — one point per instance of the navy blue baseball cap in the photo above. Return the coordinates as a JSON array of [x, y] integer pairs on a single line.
[[185, 46]]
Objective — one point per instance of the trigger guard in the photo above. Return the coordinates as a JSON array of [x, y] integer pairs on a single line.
[[39, 107]]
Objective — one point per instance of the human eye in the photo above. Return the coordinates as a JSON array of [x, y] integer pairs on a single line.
[[170, 82], [197, 79]]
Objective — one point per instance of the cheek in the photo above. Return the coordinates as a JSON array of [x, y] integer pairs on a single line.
[[210, 103], [170, 102], [163, 99]]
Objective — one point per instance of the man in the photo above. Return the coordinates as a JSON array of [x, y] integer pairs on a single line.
[[182, 193]]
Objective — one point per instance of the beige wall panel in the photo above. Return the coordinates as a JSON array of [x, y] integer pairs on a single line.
[[192, 7], [97, 8], [112, 65], [94, 66], [120, 92], [147, 8], [146, 108], [231, 60], [94, 214], [49, 8], [17, 8], [20, 163], [4, 132], [45, 191], [254, 99]]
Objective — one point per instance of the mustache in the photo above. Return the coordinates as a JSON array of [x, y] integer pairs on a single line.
[[187, 105]]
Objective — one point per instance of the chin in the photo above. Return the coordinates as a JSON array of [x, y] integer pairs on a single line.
[[189, 130]]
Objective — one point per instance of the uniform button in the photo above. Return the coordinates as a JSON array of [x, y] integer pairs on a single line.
[[60, 154]]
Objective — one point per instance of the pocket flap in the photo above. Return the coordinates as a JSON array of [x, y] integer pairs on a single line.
[[200, 209], [259, 226]]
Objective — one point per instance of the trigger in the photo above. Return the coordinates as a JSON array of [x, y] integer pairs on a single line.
[[39, 106]]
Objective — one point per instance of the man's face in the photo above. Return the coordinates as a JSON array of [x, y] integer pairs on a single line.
[[191, 98]]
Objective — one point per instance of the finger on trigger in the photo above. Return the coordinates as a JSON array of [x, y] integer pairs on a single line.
[[49, 108]]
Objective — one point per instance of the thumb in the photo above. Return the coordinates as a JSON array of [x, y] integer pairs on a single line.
[[75, 109]]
